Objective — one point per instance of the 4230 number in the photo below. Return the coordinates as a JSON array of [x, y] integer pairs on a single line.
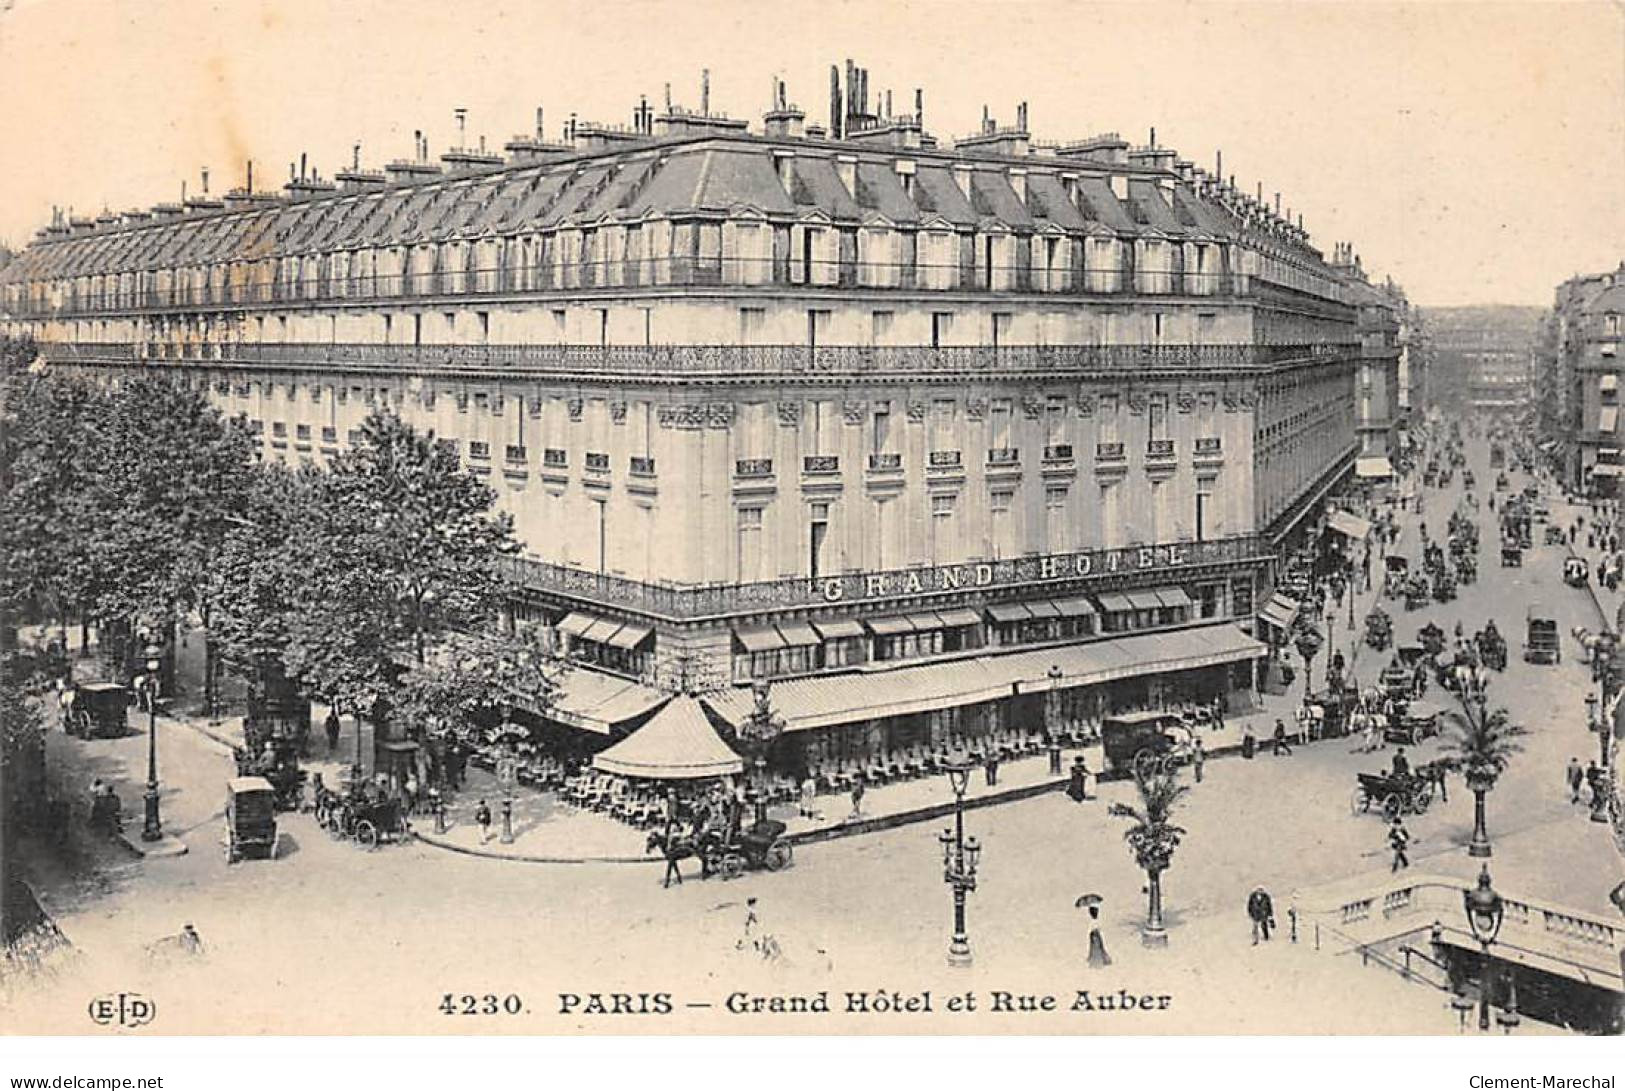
[[486, 1004]]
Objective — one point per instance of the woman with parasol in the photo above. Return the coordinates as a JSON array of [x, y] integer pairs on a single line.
[[1098, 957]]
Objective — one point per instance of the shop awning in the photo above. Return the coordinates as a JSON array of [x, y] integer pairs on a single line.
[[958, 619], [597, 702], [576, 624], [888, 626], [1280, 611], [842, 629], [630, 636], [1078, 607], [1607, 469], [763, 639], [1608, 419], [1373, 467], [1044, 608], [1174, 598], [1115, 602], [1009, 611], [1348, 524], [679, 743], [925, 623], [601, 630], [1144, 600], [798, 634], [808, 703]]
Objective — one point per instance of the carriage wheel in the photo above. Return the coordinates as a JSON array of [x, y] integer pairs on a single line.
[[733, 866], [1393, 806], [366, 834], [778, 856], [1145, 763], [321, 815], [1420, 798], [1359, 801]]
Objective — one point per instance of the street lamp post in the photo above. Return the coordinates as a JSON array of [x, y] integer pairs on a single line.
[[1485, 911], [959, 859], [1052, 719], [759, 731], [152, 829], [1308, 643]]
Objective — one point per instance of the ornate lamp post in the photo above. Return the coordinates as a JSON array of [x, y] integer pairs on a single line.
[[1485, 911], [759, 731], [959, 858], [152, 829], [1052, 719], [1308, 643]]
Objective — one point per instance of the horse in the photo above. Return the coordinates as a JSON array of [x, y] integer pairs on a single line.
[[675, 849]]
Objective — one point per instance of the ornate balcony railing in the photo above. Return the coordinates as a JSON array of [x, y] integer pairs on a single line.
[[753, 467], [1209, 445], [722, 361], [555, 458], [1003, 456], [329, 434], [479, 450], [597, 461], [821, 464], [1058, 452], [945, 460], [719, 600], [1109, 452], [886, 462], [514, 452], [641, 466], [1159, 449]]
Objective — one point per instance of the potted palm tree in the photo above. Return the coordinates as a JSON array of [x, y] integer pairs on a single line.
[[1480, 743], [1152, 838]]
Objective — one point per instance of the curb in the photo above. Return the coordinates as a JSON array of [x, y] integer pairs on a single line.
[[527, 858]]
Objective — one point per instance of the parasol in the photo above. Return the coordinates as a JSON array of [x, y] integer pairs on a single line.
[[1086, 900]]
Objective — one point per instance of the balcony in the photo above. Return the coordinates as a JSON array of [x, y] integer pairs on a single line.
[[479, 451], [944, 460], [1209, 445], [1110, 452], [753, 467], [634, 361], [1003, 456], [1159, 450], [821, 464], [887, 462], [330, 435], [555, 459], [597, 462], [1058, 452], [642, 466], [514, 452]]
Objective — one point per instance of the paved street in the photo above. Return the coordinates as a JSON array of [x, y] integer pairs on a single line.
[[329, 920]]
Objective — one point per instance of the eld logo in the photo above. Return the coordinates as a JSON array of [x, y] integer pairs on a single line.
[[124, 1009]]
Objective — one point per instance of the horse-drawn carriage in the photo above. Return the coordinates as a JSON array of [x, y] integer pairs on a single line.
[[1576, 573], [1379, 629], [1416, 592], [722, 846], [1413, 721], [278, 763], [1492, 647], [99, 710], [1554, 535], [1431, 638], [1145, 742], [1444, 585], [1511, 553], [1391, 795], [1468, 480], [363, 815], [250, 818], [1467, 569], [1398, 572]]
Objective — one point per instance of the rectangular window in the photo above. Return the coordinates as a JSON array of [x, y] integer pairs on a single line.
[[752, 320], [942, 327], [484, 319], [1001, 328], [750, 544], [817, 328], [942, 528], [942, 425], [999, 413], [881, 440], [561, 323], [1204, 502], [1157, 416], [1057, 532], [1001, 534], [1111, 516], [1055, 419], [817, 531], [881, 327]]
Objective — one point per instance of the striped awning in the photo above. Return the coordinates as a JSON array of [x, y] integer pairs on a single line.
[[763, 639], [601, 630], [679, 743], [840, 629], [1114, 602], [889, 626], [1078, 607], [798, 634], [1173, 598], [576, 624], [1009, 611], [630, 636], [959, 619]]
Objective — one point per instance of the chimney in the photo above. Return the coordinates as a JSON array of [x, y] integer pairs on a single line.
[[205, 181], [705, 92], [835, 102], [541, 134], [919, 107], [888, 105], [1153, 136]]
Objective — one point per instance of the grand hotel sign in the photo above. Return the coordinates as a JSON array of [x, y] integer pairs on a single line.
[[1143, 562]]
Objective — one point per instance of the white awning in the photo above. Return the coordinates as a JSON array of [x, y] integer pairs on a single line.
[[764, 639], [576, 624], [839, 629], [1607, 469], [1173, 598], [889, 626], [597, 702], [1348, 524], [958, 619], [630, 636], [1280, 611], [601, 630], [1078, 607], [1007, 612], [1113, 603], [679, 743], [1374, 467], [798, 634]]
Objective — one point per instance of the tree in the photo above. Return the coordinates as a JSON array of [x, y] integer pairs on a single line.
[[1152, 838], [402, 548], [1480, 743]]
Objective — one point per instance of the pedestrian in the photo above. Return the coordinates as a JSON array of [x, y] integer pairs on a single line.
[[482, 816], [1098, 958], [1593, 777], [857, 799], [1576, 777], [1077, 785], [1198, 759], [1365, 568], [808, 789], [1441, 777], [410, 790], [1261, 911], [1401, 765], [331, 726], [1399, 840], [1249, 744], [990, 768], [1281, 746], [748, 937]]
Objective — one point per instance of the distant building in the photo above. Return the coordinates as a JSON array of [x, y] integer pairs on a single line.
[[916, 433], [1580, 365], [1381, 387], [1483, 358]]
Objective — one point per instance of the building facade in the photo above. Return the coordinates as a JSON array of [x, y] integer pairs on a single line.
[[1382, 385], [913, 432], [1579, 379], [1484, 358]]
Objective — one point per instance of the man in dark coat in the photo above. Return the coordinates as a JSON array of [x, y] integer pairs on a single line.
[[1261, 912], [331, 725], [1077, 786], [1281, 746], [1402, 765], [1399, 840]]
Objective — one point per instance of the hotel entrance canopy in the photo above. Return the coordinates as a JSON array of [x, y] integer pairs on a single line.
[[678, 744]]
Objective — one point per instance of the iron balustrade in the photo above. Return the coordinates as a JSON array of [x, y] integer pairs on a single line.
[[642, 466], [1058, 452], [945, 460], [1003, 456], [1209, 445], [888, 462], [721, 361], [514, 452], [555, 458], [1109, 452], [597, 461], [753, 467], [821, 464], [478, 449], [1160, 449], [693, 601]]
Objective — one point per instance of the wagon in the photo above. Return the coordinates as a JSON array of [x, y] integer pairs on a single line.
[[250, 818], [1391, 796], [1511, 556], [1144, 742], [1413, 722], [366, 821], [100, 711], [762, 846]]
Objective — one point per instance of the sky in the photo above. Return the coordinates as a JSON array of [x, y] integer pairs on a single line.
[[1475, 152]]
